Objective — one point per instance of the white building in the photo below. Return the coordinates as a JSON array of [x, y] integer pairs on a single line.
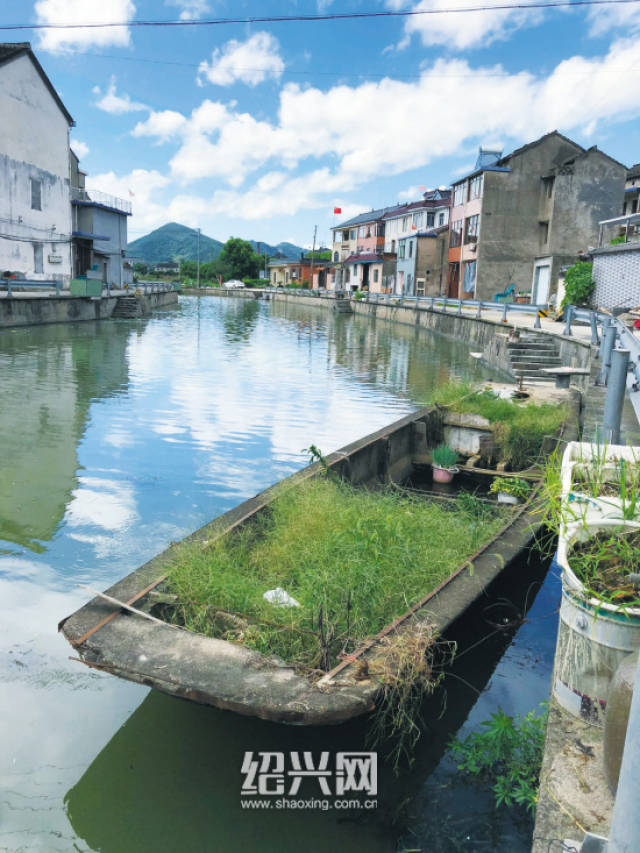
[[35, 203]]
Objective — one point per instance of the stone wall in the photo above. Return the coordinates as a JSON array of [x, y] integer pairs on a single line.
[[36, 311]]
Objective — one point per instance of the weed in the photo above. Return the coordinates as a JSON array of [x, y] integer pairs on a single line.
[[519, 429], [444, 456], [508, 753], [353, 559]]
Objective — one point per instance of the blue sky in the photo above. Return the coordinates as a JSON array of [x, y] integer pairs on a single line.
[[259, 130]]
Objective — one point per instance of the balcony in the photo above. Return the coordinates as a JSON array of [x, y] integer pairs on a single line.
[[100, 199]]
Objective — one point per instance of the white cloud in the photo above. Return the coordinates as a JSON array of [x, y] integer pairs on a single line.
[[83, 12], [116, 104], [250, 62], [148, 212], [465, 29], [605, 18], [337, 138], [80, 149], [162, 125], [190, 10]]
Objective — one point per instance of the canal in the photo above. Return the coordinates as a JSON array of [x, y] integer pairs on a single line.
[[120, 437]]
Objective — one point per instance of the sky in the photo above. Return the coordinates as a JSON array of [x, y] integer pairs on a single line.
[[259, 130]]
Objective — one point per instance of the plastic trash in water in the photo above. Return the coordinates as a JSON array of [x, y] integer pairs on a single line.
[[280, 598]]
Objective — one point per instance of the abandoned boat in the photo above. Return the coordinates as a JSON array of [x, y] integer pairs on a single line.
[[119, 632]]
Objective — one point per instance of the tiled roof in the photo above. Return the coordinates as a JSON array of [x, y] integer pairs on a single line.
[[433, 198], [363, 259], [634, 171]]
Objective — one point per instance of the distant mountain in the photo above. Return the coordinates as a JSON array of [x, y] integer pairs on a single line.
[[288, 250], [175, 242]]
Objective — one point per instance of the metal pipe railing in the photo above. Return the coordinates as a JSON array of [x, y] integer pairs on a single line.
[[14, 282]]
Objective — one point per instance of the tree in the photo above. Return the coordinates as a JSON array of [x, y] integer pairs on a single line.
[[237, 256], [188, 269], [579, 284], [140, 268]]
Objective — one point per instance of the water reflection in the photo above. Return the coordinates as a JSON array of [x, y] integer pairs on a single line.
[[47, 389], [123, 436]]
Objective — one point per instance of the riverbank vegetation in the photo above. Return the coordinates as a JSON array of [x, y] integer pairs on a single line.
[[519, 427], [352, 561]]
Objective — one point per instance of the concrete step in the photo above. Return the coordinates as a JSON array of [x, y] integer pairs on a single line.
[[533, 347]]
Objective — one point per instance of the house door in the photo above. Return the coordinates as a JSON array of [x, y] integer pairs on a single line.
[[453, 281], [365, 277], [540, 288]]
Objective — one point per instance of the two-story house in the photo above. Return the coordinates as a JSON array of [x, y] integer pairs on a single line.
[[360, 235], [421, 267], [517, 219], [35, 208], [99, 232]]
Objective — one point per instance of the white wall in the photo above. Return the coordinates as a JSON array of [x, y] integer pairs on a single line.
[[34, 143]]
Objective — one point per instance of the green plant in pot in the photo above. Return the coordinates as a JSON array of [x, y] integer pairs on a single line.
[[444, 463], [510, 490]]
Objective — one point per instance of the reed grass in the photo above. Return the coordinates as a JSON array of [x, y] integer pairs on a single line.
[[353, 559]]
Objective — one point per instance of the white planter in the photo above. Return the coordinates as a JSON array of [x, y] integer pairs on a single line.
[[593, 636], [505, 498]]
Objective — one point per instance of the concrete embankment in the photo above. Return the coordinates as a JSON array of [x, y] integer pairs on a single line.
[[485, 335], [248, 293], [39, 310]]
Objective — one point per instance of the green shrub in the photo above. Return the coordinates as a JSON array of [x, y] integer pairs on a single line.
[[579, 284], [617, 240]]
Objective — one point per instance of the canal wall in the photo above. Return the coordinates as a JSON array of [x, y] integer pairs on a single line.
[[248, 293], [484, 335], [41, 310]]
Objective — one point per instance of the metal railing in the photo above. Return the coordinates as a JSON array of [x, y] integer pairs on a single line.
[[20, 283], [84, 196]]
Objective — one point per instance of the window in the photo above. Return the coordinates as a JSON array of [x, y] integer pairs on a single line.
[[410, 248], [409, 284], [336, 257], [406, 223], [36, 195], [469, 278], [380, 229], [401, 250], [544, 232], [624, 208], [37, 257], [471, 229], [475, 187], [431, 219], [362, 231], [274, 278], [345, 236], [455, 238], [440, 219], [393, 245], [375, 276], [458, 193], [634, 206], [417, 219], [547, 186], [353, 234]]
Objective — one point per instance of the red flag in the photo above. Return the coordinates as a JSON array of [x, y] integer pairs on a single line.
[[337, 210], [414, 227], [421, 187]]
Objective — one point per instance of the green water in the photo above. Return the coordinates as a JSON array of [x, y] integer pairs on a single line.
[[118, 438]]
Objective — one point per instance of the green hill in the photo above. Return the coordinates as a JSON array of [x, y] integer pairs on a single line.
[[175, 242]]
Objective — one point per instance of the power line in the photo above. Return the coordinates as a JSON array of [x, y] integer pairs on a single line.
[[341, 74], [335, 16]]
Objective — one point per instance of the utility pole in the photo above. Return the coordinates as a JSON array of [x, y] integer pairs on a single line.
[[313, 251], [198, 278]]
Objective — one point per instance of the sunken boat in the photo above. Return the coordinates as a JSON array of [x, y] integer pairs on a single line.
[[128, 630]]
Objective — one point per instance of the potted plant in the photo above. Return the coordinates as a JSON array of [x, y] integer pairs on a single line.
[[523, 297], [444, 463], [510, 490], [592, 505]]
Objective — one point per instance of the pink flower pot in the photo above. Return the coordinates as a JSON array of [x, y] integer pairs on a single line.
[[443, 475]]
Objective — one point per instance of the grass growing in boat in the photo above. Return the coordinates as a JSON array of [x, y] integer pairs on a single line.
[[519, 428], [353, 559]]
